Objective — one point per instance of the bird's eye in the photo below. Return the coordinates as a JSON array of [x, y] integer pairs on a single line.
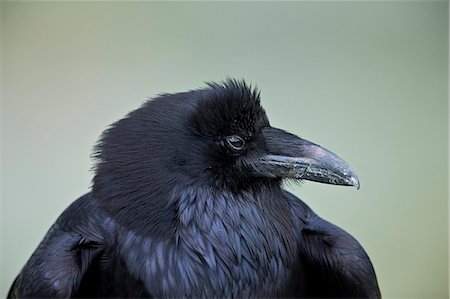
[[235, 142]]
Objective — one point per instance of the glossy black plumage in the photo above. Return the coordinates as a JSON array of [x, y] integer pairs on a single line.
[[179, 210]]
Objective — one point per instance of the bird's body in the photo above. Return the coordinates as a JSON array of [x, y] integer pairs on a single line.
[[185, 210]]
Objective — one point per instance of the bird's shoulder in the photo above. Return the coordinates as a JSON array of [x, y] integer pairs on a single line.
[[88, 219], [331, 256], [57, 265], [317, 234], [301, 213], [336, 258]]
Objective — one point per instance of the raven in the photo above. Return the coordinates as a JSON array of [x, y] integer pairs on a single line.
[[187, 201]]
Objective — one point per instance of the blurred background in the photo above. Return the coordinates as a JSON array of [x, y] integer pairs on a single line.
[[367, 80]]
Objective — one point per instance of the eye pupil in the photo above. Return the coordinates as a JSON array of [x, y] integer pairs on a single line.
[[235, 142]]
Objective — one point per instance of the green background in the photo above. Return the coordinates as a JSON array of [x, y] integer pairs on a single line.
[[367, 80]]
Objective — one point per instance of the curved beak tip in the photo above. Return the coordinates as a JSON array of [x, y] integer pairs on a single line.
[[289, 156], [354, 181]]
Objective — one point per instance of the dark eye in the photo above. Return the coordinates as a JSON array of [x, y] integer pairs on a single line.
[[235, 142]]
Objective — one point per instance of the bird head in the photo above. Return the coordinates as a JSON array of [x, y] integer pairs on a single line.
[[241, 147], [217, 137]]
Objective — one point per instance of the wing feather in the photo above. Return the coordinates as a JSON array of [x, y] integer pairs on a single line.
[[333, 262], [58, 264]]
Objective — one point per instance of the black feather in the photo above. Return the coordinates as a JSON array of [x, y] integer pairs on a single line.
[[175, 212]]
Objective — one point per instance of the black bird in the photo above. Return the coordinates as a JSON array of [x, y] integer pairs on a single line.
[[187, 202]]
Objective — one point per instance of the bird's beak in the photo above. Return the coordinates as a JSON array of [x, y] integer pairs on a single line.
[[289, 156]]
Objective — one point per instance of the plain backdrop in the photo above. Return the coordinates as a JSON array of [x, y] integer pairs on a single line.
[[367, 80]]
